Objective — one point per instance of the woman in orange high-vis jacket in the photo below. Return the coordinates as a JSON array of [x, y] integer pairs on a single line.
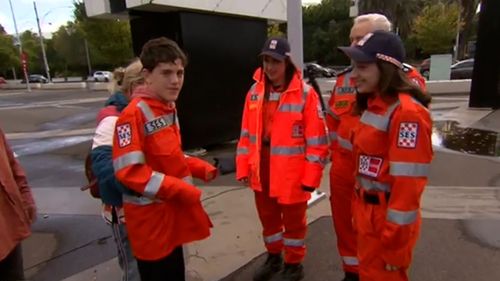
[[342, 122], [392, 151], [281, 154]]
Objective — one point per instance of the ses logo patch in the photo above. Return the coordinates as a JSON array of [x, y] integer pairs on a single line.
[[407, 136]]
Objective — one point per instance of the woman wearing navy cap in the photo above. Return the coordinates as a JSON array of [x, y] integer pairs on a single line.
[[393, 151], [281, 154]]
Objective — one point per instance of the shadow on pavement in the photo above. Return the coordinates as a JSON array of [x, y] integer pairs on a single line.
[[443, 253]]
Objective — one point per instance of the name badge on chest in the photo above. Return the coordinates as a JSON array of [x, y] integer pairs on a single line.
[[298, 130], [159, 123]]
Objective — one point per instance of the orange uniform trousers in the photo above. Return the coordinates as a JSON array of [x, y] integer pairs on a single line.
[[341, 201], [284, 225], [369, 219]]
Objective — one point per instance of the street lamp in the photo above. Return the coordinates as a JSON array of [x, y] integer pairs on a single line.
[[20, 45], [47, 69]]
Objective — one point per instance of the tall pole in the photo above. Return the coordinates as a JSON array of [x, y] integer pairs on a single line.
[[45, 63], [457, 38], [20, 45], [294, 30], [87, 53]]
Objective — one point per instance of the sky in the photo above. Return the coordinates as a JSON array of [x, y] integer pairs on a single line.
[[52, 13]]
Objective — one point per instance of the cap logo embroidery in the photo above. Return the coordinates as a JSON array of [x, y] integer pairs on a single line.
[[389, 59], [364, 39], [272, 44]]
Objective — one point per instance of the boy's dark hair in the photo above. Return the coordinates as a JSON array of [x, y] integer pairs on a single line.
[[160, 50]]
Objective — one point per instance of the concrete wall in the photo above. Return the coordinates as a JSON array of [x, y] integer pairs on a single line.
[[97, 7], [265, 9]]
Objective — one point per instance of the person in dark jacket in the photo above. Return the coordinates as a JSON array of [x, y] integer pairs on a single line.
[[111, 191]]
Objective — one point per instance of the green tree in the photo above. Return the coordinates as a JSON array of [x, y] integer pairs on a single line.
[[31, 46], [435, 28], [9, 57], [400, 12], [276, 29], [110, 41], [326, 26], [2, 30], [469, 27], [70, 55]]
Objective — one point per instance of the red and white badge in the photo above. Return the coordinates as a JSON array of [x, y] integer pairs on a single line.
[[124, 135], [408, 133], [369, 165]]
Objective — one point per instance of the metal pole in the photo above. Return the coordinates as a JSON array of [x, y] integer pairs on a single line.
[[294, 30], [457, 38], [87, 53], [20, 44], [46, 64]]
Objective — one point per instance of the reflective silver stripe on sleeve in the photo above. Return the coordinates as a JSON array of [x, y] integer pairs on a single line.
[[317, 140], [244, 133], [188, 179], [409, 169], [293, 242], [242, 151], [350, 260], [274, 96], [370, 185], [333, 136], [287, 150], [146, 110], [154, 184], [344, 143], [379, 122], [315, 159], [131, 158], [305, 90], [273, 238], [402, 218], [253, 139], [289, 107], [347, 77], [332, 114], [141, 201]]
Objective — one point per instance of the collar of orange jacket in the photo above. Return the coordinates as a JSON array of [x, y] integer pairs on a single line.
[[377, 104], [145, 92], [295, 84]]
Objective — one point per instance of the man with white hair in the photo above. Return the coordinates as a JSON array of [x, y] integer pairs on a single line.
[[341, 124]]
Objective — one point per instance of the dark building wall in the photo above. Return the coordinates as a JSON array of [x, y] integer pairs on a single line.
[[485, 89], [222, 53]]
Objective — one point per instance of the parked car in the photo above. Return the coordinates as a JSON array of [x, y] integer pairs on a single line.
[[425, 67], [318, 71], [102, 76], [36, 78], [2, 80], [462, 69]]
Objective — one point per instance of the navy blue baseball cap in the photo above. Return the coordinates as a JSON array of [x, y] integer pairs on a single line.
[[382, 45], [276, 47]]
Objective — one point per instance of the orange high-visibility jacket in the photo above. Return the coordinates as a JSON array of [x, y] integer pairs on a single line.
[[148, 159], [393, 152], [298, 145], [415, 76], [342, 122]]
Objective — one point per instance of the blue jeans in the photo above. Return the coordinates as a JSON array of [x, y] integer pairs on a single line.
[[126, 259]]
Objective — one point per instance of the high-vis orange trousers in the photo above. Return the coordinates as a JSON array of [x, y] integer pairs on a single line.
[[342, 196], [369, 220], [284, 225]]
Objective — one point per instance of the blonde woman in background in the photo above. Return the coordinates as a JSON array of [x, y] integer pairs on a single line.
[[125, 80]]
